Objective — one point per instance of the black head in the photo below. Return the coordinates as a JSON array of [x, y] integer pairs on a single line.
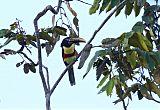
[[68, 41]]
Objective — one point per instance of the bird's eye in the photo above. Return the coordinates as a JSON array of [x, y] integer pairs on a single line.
[[68, 40]]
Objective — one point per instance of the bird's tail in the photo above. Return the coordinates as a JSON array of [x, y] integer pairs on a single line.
[[71, 76]]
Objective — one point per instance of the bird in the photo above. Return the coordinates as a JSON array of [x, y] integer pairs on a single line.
[[69, 55]]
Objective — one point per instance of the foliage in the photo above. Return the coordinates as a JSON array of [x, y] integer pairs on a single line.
[[130, 63]]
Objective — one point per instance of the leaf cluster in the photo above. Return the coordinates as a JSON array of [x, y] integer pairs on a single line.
[[133, 56]]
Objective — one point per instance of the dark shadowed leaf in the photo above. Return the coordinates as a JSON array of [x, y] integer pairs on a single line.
[[140, 96], [137, 8], [13, 26], [32, 68], [114, 3], [119, 10], [97, 54], [19, 64], [2, 56], [26, 68], [104, 5], [8, 41], [103, 80], [150, 61], [128, 8], [3, 32], [49, 48], [145, 93], [75, 21], [153, 87], [85, 54], [138, 27]]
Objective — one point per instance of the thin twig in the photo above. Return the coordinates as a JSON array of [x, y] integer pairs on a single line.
[[93, 36], [47, 75], [85, 2], [124, 105], [19, 52]]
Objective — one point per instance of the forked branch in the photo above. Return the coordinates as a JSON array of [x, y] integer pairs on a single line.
[[39, 15]]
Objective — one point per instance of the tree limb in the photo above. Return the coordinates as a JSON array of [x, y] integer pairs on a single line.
[[39, 15], [93, 36]]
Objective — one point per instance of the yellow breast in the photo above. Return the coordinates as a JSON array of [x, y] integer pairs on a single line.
[[69, 50]]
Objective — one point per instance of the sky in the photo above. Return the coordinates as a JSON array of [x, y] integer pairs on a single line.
[[19, 91]]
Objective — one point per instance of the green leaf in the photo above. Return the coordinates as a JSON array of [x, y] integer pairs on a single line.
[[30, 37], [13, 26], [104, 5], [97, 54], [26, 68], [145, 93], [148, 19], [103, 80], [126, 38], [110, 86], [138, 27], [60, 30], [93, 9], [108, 8], [75, 21], [114, 3], [45, 36], [157, 56], [3, 32], [32, 68], [119, 10], [131, 58], [8, 41], [153, 87], [122, 77], [128, 8], [150, 61], [137, 8]]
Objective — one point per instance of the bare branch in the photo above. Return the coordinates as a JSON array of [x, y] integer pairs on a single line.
[[47, 75], [19, 52], [93, 36], [39, 15], [124, 105], [85, 2]]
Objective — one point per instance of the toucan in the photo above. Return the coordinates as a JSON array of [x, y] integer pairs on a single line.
[[69, 54]]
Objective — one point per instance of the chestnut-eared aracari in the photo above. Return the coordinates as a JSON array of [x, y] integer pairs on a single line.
[[69, 54]]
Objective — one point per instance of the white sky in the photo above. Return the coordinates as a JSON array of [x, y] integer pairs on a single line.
[[24, 92]]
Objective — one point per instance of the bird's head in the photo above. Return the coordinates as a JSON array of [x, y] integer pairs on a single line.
[[68, 41]]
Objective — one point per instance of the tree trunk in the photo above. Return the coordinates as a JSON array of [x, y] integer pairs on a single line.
[[48, 101]]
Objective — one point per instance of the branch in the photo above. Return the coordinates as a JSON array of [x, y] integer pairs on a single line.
[[93, 36], [39, 15], [19, 52], [47, 75], [124, 105], [85, 2]]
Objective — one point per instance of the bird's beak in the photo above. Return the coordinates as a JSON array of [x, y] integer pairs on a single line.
[[77, 40]]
